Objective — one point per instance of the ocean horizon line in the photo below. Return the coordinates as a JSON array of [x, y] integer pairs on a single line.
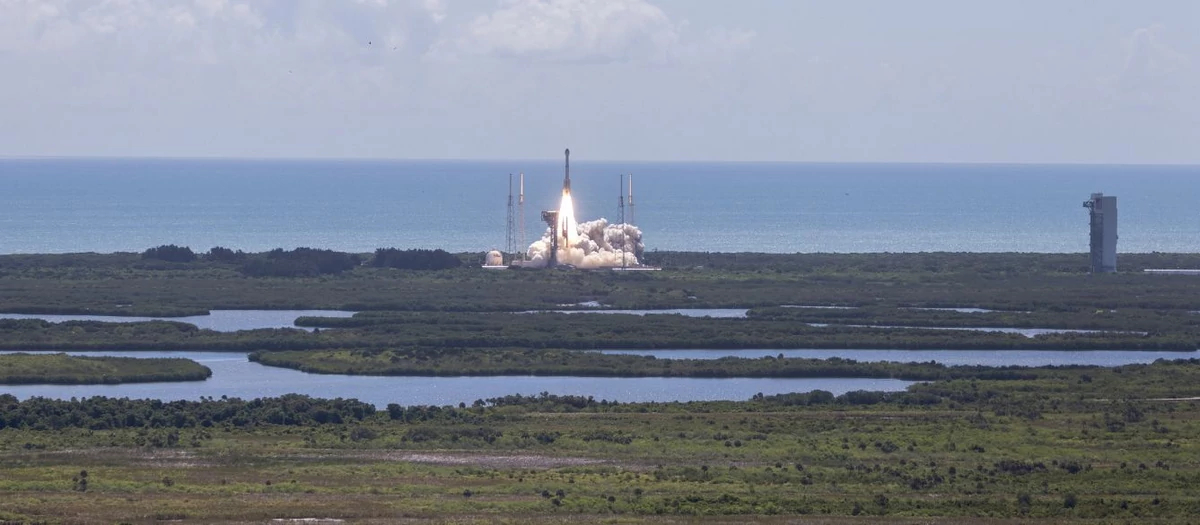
[[585, 160]]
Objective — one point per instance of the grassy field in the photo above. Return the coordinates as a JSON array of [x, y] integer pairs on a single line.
[[1084, 446], [63, 369], [125, 284]]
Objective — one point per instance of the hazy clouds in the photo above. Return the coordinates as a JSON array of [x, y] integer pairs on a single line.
[[927, 80]]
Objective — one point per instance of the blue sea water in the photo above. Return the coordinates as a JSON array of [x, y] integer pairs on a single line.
[[106, 205]]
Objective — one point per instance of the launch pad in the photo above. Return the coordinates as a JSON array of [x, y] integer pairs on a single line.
[[569, 242]]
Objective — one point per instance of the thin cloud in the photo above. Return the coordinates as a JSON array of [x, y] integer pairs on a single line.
[[566, 31]]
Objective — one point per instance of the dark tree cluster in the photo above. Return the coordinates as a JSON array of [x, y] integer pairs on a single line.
[[104, 413], [170, 253], [225, 255], [415, 259], [301, 262]]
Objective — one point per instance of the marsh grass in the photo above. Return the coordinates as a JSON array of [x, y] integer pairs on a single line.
[[65, 369]]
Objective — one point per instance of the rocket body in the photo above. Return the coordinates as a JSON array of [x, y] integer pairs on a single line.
[[567, 178]]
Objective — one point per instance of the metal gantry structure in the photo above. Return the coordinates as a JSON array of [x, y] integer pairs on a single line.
[[521, 205], [551, 219], [631, 221], [509, 237], [621, 212]]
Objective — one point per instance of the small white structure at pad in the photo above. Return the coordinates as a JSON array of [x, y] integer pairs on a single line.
[[494, 259]]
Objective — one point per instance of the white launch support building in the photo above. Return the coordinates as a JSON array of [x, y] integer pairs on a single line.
[[1102, 211]]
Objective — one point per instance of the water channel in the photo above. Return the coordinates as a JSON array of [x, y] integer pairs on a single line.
[[235, 376]]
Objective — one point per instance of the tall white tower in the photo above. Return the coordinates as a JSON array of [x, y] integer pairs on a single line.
[[1102, 212]]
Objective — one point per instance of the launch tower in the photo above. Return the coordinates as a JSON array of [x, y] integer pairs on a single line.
[[551, 218], [1102, 212]]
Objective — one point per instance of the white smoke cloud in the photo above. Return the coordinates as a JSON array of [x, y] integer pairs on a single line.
[[597, 244]]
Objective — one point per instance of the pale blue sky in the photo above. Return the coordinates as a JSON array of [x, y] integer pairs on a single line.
[[1091, 81]]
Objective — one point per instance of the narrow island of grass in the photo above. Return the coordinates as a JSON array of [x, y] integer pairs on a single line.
[[769, 328], [541, 362], [63, 369]]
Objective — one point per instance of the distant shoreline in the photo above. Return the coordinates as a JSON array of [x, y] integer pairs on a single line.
[[583, 162]]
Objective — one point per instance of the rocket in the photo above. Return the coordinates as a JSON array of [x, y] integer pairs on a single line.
[[567, 180]]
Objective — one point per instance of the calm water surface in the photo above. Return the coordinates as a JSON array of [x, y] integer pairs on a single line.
[[1027, 332], [106, 205], [235, 376]]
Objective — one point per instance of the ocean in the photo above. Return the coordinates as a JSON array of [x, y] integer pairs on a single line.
[[58, 205]]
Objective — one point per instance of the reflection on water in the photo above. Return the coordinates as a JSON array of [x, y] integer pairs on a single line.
[[235, 376], [1027, 332], [959, 310], [219, 320], [946, 357], [686, 312]]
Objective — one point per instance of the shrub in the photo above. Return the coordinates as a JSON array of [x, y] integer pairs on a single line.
[[1070, 501], [219, 254], [170, 253], [415, 259]]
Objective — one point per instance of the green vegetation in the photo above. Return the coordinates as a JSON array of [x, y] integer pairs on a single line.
[[1077, 445], [1142, 321], [415, 259], [170, 253], [776, 328], [1047, 445], [500, 362], [126, 284], [768, 328], [78, 370]]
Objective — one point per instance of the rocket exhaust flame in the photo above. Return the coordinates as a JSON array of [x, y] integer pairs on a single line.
[[566, 219]]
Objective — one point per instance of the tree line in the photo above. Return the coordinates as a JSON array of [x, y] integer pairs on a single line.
[[305, 262], [548, 362], [105, 413]]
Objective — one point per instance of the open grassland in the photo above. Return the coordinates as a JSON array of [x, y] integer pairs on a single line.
[[1099, 445], [78, 370]]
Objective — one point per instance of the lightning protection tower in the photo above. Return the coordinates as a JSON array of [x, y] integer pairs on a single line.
[[1102, 215], [510, 240], [621, 212], [521, 206], [630, 201]]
